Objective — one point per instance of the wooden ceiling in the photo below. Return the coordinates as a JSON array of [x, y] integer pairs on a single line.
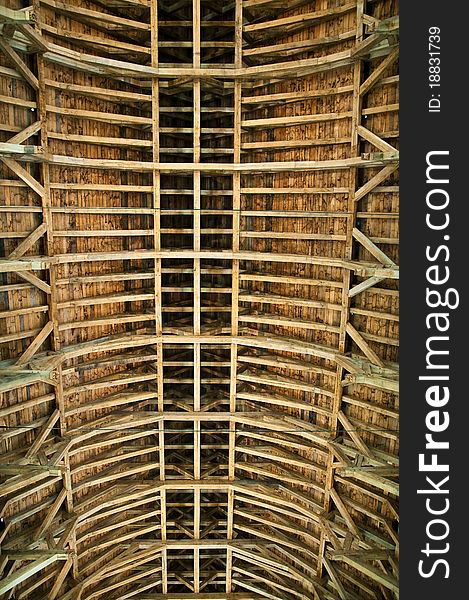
[[199, 300]]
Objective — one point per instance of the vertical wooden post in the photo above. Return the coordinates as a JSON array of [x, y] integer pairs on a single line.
[[155, 113], [53, 296], [196, 32], [345, 312], [238, 35]]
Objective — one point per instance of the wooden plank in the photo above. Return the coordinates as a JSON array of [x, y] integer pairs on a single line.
[[26, 133], [289, 383], [379, 71], [33, 36], [53, 510], [296, 47], [298, 120], [94, 16], [23, 311], [20, 575], [351, 431], [271, 146], [372, 248], [252, 4], [118, 119], [295, 96], [268, 319], [41, 436], [377, 575], [19, 64], [345, 513], [387, 26], [364, 346], [15, 17], [200, 596], [59, 579], [305, 19], [374, 139], [339, 586], [35, 344], [287, 301], [32, 278], [28, 242], [114, 95], [236, 221], [363, 48], [24, 175], [370, 185], [259, 167], [196, 58], [364, 285]]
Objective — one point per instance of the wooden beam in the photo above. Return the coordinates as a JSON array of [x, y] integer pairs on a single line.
[[29, 153], [375, 181], [53, 510], [15, 379], [364, 285], [388, 581], [59, 579], [15, 17], [24, 175], [26, 133], [35, 344], [363, 48], [41, 436], [304, 20], [103, 19], [17, 577], [372, 248], [364, 346], [34, 37], [379, 71], [226, 168], [200, 596], [367, 476], [351, 431], [236, 221], [357, 106], [19, 63], [34, 279], [27, 243], [271, 122], [196, 58], [289, 49], [345, 513], [24, 555], [374, 139], [339, 586]]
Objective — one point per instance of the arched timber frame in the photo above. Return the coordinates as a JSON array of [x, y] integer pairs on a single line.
[[199, 299]]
